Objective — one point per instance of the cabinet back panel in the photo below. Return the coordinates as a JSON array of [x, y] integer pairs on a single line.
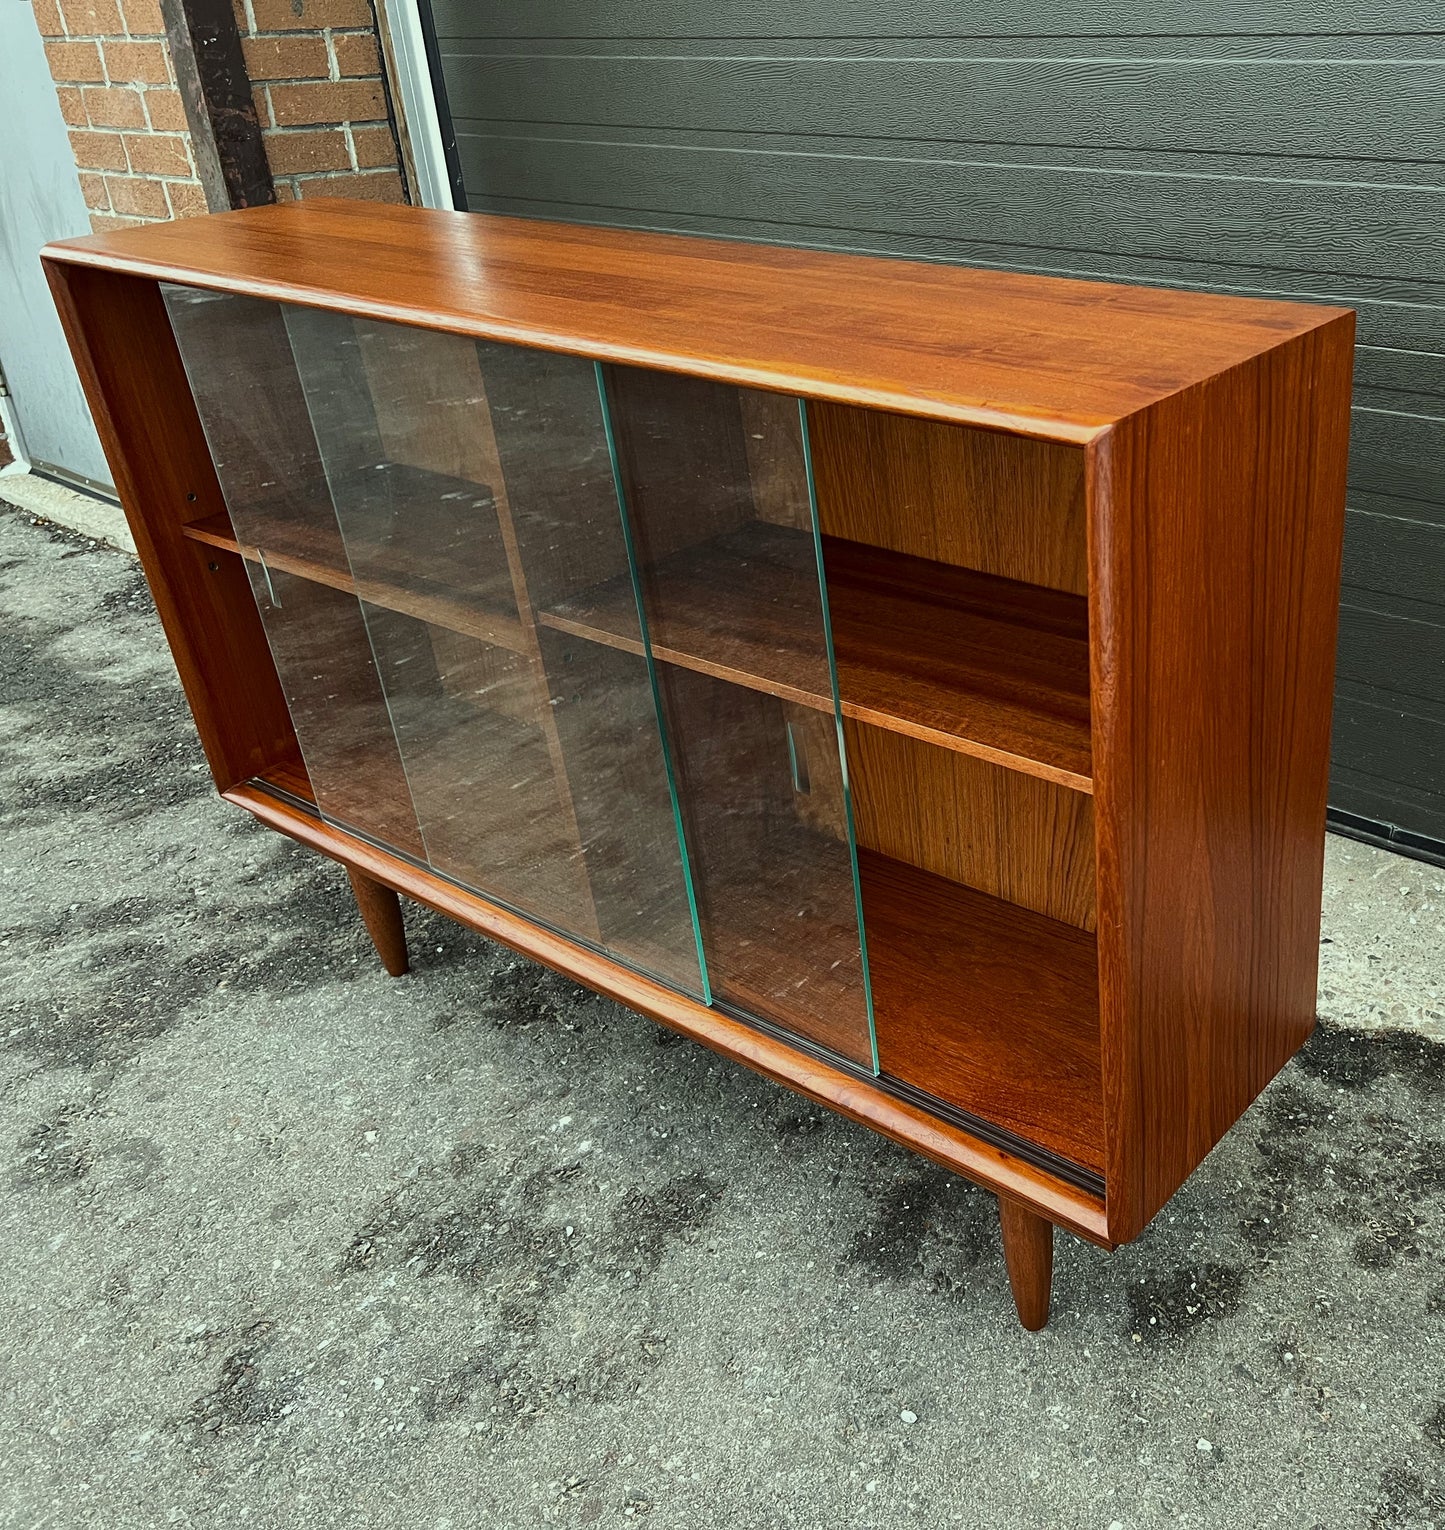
[[470, 670], [323, 655], [1000, 504], [987, 1006], [555, 488], [776, 465], [429, 400], [243, 379], [682, 459], [1013, 836]]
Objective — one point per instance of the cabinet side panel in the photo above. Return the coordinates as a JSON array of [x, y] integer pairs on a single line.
[[1216, 527], [136, 387]]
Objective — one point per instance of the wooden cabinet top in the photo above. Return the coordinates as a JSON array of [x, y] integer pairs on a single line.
[[1059, 359]]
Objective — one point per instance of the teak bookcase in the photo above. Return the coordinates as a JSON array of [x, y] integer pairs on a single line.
[[913, 682]]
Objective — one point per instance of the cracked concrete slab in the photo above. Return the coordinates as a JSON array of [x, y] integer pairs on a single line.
[[284, 1242]]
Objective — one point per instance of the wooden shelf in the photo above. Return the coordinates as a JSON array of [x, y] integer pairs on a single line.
[[986, 1005], [987, 666], [977, 1001], [462, 582]]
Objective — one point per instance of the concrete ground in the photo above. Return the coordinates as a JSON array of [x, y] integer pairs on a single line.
[[286, 1243]]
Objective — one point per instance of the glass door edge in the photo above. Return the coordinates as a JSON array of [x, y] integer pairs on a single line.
[[634, 574], [838, 723], [361, 605]]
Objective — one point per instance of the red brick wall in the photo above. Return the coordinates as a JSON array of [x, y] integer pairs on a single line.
[[316, 77], [316, 74], [118, 96]]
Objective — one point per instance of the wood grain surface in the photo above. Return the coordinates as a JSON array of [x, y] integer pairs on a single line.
[[999, 504], [1028, 1251], [291, 549], [987, 666], [137, 391], [381, 914], [986, 1005], [1049, 358], [1011, 835], [1213, 666]]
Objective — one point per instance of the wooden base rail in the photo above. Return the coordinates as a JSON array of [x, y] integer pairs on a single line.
[[912, 1126]]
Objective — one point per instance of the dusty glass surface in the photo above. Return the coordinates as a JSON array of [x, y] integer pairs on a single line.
[[238, 359], [473, 490], [717, 492], [556, 630]]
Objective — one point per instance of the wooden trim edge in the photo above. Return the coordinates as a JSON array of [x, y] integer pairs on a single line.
[[989, 1167], [795, 384]]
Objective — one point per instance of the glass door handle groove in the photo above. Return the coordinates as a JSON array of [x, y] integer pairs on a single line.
[[797, 763], [266, 572]]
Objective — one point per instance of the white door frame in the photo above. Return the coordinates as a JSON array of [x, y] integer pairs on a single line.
[[403, 40], [40, 200]]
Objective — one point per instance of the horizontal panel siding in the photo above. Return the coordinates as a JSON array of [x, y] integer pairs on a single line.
[[1390, 742], [1401, 454], [1387, 652], [619, 19], [1250, 146], [1392, 555], [1386, 801], [1372, 109], [1282, 225], [1383, 370]]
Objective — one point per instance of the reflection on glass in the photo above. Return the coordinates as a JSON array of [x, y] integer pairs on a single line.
[[239, 365], [473, 489], [622, 724], [714, 481]]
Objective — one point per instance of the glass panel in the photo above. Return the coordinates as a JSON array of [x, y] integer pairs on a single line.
[[716, 488], [239, 364], [473, 490]]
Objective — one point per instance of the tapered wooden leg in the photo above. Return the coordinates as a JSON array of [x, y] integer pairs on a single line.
[[381, 914], [1028, 1251]]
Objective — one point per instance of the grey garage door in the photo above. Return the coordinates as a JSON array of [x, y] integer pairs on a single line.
[[1279, 147]]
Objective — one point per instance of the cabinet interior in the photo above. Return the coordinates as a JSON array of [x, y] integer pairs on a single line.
[[956, 561], [475, 660]]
